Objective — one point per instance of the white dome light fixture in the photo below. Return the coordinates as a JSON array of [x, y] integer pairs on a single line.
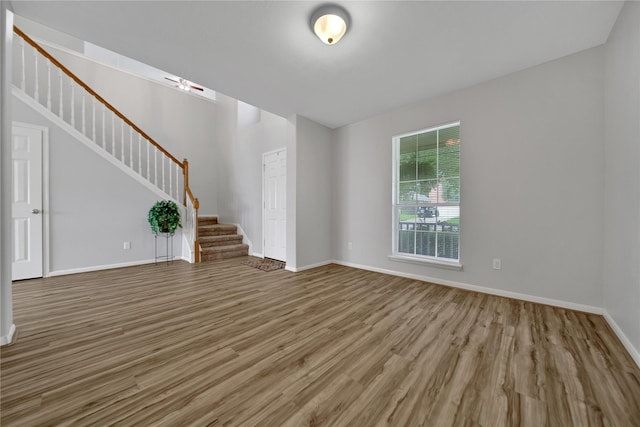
[[329, 22]]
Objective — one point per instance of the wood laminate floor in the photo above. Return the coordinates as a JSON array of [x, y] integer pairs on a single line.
[[222, 343]]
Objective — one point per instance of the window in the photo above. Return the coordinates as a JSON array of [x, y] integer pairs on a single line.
[[426, 196]]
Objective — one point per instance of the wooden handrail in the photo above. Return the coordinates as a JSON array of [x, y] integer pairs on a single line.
[[92, 92]]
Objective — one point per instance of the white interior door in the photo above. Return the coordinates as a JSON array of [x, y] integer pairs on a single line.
[[274, 187], [26, 202]]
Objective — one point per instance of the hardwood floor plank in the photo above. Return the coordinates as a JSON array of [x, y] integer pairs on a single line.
[[221, 343]]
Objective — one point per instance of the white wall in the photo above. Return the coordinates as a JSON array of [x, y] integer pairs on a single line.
[[531, 143], [93, 207], [6, 308], [184, 124], [313, 190], [227, 134], [622, 175], [245, 133]]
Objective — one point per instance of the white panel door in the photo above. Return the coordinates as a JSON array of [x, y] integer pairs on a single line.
[[275, 204], [26, 202]]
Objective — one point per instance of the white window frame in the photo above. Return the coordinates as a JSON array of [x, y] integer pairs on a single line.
[[413, 258]]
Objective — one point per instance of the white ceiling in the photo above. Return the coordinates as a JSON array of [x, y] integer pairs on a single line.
[[395, 53]]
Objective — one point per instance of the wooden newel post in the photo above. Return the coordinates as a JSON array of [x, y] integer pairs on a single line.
[[185, 162], [196, 245]]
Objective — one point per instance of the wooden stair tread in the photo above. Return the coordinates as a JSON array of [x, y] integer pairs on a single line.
[[237, 247], [224, 252], [216, 229], [220, 240], [217, 225], [207, 220], [220, 237]]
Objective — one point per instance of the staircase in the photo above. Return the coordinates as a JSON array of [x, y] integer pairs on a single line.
[[51, 89], [219, 241]]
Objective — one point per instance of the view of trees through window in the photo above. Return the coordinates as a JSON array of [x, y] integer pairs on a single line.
[[427, 205]]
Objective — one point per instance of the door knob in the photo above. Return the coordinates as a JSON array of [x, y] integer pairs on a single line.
[[35, 211]]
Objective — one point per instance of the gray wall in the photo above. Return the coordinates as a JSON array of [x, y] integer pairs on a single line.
[[532, 182], [313, 193], [292, 197], [40, 31], [245, 133], [227, 132], [622, 174], [93, 206]]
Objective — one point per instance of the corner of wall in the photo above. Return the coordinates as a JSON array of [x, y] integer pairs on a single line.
[[7, 327], [621, 271], [626, 342], [291, 143]]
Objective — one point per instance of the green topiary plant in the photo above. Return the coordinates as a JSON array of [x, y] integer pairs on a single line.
[[164, 217]]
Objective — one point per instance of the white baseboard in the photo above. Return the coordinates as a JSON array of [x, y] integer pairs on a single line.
[[310, 266], [108, 266], [481, 289], [635, 354], [6, 339]]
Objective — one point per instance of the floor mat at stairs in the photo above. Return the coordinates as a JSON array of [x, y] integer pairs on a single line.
[[265, 264]]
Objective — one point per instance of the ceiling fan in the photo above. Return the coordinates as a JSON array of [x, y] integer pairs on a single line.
[[184, 84]]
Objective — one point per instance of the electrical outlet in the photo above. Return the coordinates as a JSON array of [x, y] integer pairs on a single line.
[[126, 246], [350, 245], [497, 264]]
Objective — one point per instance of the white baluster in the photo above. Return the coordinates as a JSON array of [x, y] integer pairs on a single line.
[[148, 161], [61, 111], [140, 154], [177, 182], [170, 179], [36, 90], [93, 118], [155, 166], [175, 168], [73, 106], [113, 135], [104, 128], [122, 140], [84, 114], [48, 84], [131, 148], [23, 77], [162, 160]]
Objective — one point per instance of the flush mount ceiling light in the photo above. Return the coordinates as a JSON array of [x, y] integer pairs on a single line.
[[329, 23]]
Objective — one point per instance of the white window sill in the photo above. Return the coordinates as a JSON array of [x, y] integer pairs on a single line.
[[449, 265]]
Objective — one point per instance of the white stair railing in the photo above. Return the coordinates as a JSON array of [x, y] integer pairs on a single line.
[[49, 83]]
